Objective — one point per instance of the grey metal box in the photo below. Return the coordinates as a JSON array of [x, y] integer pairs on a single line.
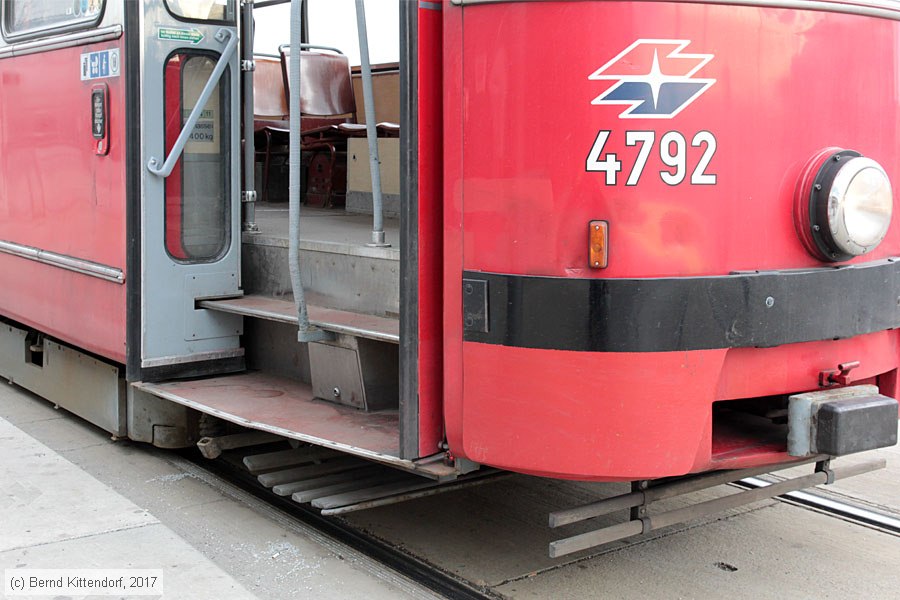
[[82, 384], [841, 420], [856, 425]]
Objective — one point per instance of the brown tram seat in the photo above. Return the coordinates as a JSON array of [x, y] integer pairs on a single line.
[[326, 101], [332, 112], [270, 115], [328, 118], [326, 91], [270, 107]]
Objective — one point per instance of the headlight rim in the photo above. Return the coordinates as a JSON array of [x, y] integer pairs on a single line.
[[820, 191], [828, 175]]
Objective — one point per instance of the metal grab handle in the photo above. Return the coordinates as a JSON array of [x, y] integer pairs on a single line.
[[306, 47], [153, 165]]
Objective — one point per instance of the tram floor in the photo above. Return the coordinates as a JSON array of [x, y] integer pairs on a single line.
[[324, 225], [495, 535]]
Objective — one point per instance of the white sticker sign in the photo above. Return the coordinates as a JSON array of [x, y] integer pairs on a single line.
[[204, 131], [100, 65]]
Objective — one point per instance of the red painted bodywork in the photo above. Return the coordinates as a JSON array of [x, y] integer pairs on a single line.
[[174, 200], [519, 124], [430, 338], [57, 194]]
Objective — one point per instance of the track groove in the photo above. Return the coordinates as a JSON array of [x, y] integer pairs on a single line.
[[831, 506]]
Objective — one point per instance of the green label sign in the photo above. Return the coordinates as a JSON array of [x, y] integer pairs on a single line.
[[175, 34], [206, 113]]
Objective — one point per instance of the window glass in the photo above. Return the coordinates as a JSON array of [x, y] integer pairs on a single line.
[[198, 190], [333, 23], [203, 10], [30, 15]]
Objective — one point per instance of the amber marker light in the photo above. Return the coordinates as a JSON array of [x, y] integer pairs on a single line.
[[598, 242]]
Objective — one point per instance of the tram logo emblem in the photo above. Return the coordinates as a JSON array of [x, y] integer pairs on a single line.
[[654, 79]]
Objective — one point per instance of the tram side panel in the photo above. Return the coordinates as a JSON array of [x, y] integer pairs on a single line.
[[687, 129], [62, 194]]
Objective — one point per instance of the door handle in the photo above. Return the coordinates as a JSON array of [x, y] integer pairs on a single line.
[[164, 168]]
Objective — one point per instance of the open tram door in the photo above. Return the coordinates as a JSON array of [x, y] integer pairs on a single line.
[[185, 170], [370, 385]]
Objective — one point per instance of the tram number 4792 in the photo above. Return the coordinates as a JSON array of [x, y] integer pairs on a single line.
[[672, 151]]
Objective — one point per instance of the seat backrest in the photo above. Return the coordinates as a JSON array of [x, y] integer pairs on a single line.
[[325, 86], [269, 97]]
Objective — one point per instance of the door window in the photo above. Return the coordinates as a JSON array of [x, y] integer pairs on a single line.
[[198, 190], [202, 10]]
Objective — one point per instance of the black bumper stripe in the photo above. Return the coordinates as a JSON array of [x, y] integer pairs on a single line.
[[760, 309]]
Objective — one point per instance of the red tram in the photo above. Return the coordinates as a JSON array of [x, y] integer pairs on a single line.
[[602, 240]]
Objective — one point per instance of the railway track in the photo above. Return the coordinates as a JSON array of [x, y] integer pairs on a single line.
[[338, 534], [832, 506]]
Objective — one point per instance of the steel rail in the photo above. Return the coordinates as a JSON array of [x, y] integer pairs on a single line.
[[831, 506], [407, 565]]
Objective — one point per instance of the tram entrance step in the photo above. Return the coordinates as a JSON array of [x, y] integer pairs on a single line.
[[288, 408], [339, 269], [382, 329]]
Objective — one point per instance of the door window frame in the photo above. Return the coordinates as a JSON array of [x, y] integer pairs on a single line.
[[227, 21], [225, 145]]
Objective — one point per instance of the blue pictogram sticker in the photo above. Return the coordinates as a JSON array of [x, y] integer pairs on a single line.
[[100, 65]]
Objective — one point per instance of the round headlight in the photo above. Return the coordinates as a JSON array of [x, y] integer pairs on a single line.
[[850, 206]]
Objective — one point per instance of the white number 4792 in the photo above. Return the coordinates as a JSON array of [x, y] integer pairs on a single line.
[[672, 153]]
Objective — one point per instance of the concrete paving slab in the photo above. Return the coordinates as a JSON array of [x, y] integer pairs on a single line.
[[276, 558], [145, 476], [498, 532], [54, 515], [263, 553], [186, 572], [776, 551], [69, 432], [47, 499], [24, 412]]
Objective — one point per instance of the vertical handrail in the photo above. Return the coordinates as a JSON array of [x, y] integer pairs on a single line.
[[248, 198], [305, 331], [153, 165], [371, 132]]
